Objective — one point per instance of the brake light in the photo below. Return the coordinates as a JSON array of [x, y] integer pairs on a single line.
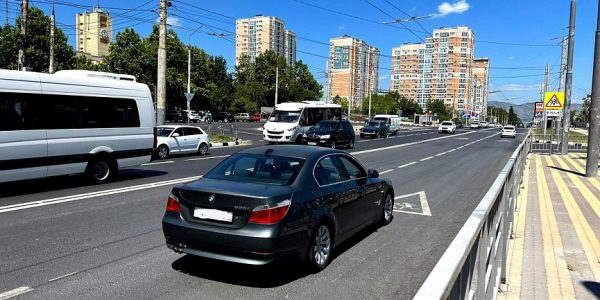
[[269, 214], [173, 204]]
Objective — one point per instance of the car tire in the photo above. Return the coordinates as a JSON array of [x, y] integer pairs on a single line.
[[203, 149], [387, 210], [162, 151], [319, 252], [396, 132], [101, 170], [362, 136], [333, 145], [351, 144]]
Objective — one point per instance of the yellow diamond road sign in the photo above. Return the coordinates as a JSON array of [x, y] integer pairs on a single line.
[[554, 100]]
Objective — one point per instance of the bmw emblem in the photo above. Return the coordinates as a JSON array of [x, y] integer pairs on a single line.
[[211, 199]]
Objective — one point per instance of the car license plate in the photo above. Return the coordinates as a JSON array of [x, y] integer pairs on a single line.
[[213, 214], [312, 143]]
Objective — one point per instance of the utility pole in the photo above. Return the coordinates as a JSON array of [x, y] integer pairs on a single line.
[[564, 148], [563, 59], [23, 36], [349, 92], [52, 20], [544, 91], [370, 83], [276, 81], [6, 12], [591, 163], [161, 82]]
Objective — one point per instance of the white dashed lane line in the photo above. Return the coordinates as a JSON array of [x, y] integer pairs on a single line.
[[386, 171], [205, 158], [406, 165], [426, 158], [158, 163], [16, 292]]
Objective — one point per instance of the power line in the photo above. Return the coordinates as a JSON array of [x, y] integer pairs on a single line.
[[387, 14], [416, 20]]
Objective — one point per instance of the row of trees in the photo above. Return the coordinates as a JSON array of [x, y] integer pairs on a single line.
[[501, 115], [215, 89]]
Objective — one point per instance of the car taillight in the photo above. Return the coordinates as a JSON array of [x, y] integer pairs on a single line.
[[269, 214], [173, 204]]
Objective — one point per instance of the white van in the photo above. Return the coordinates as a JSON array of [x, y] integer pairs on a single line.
[[290, 120], [73, 122], [391, 120]]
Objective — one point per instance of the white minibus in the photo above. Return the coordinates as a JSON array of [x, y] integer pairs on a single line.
[[73, 121], [290, 120]]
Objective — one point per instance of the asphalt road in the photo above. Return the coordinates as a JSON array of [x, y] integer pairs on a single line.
[[70, 240]]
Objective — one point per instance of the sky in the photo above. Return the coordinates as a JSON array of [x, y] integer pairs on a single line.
[[519, 36]]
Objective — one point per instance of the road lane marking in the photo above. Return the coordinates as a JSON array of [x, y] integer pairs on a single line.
[[440, 154], [426, 158], [403, 145], [386, 171], [406, 165], [462, 138], [78, 197], [204, 158], [15, 292], [401, 207], [158, 163], [61, 277]]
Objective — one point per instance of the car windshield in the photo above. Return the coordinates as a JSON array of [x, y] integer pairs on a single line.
[[446, 123], [325, 125], [372, 124], [163, 131], [262, 169], [285, 116]]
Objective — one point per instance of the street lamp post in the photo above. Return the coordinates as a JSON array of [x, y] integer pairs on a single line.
[[189, 70]]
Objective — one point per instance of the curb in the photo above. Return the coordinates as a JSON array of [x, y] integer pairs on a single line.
[[230, 144]]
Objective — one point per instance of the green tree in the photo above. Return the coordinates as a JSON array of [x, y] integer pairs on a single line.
[[584, 114], [512, 117], [37, 45], [440, 109], [409, 107], [380, 104], [341, 101]]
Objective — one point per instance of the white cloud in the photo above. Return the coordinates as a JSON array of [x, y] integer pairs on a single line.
[[458, 7], [172, 21]]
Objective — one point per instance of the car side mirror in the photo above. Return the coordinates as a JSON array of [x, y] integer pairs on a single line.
[[311, 128], [373, 173], [175, 134]]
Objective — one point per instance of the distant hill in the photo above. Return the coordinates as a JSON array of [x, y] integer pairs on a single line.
[[524, 111]]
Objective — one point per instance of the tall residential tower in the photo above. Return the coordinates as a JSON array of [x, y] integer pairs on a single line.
[[353, 69], [261, 33]]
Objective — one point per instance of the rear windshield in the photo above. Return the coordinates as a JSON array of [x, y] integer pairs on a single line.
[[446, 123], [251, 168], [509, 127]]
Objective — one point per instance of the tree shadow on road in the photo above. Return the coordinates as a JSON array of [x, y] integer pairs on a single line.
[[33, 186]]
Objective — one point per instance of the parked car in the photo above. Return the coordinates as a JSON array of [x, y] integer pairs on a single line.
[[483, 124], [173, 139], [447, 126], [375, 129], [173, 115], [508, 131], [242, 117], [491, 125], [459, 124], [393, 121], [266, 202], [255, 118], [223, 117], [474, 125], [330, 133], [192, 115]]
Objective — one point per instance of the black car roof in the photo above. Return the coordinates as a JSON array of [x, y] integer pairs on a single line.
[[300, 151]]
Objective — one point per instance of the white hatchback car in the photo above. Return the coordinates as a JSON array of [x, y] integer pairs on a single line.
[[180, 139], [447, 126], [508, 131]]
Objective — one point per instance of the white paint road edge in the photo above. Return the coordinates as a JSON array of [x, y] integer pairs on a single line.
[[70, 198], [15, 292]]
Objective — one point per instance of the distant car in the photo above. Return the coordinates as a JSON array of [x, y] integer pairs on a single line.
[[255, 118], [173, 139], [330, 133], [242, 117], [375, 129], [173, 116], [492, 125], [474, 125], [508, 131], [192, 115], [223, 117], [483, 124], [447, 126], [393, 121], [459, 124], [498, 125], [270, 202]]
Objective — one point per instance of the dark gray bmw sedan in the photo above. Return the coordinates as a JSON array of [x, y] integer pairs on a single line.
[[270, 201]]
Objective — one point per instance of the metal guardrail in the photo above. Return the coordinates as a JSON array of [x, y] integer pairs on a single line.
[[223, 129], [548, 143], [474, 264]]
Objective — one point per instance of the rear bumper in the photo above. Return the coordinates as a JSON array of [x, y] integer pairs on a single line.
[[252, 244]]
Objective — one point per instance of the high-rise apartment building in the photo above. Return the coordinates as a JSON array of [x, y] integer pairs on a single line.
[[353, 69], [261, 33], [481, 79], [94, 34], [443, 69]]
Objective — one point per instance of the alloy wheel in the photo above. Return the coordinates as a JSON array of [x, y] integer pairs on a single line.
[[322, 246]]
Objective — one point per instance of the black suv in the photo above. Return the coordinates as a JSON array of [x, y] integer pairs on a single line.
[[375, 129], [223, 117], [172, 115], [330, 133]]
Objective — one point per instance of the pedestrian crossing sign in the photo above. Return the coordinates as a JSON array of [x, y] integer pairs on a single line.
[[554, 100]]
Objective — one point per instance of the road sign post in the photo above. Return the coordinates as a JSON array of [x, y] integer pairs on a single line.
[[188, 97]]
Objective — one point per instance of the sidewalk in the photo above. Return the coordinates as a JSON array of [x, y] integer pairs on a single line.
[[555, 253]]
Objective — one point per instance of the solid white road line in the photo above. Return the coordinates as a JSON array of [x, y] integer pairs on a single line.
[[63, 199], [406, 165], [204, 158], [15, 292], [61, 277], [158, 163], [386, 171]]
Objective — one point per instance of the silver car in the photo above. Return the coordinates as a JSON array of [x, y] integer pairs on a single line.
[[180, 139]]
